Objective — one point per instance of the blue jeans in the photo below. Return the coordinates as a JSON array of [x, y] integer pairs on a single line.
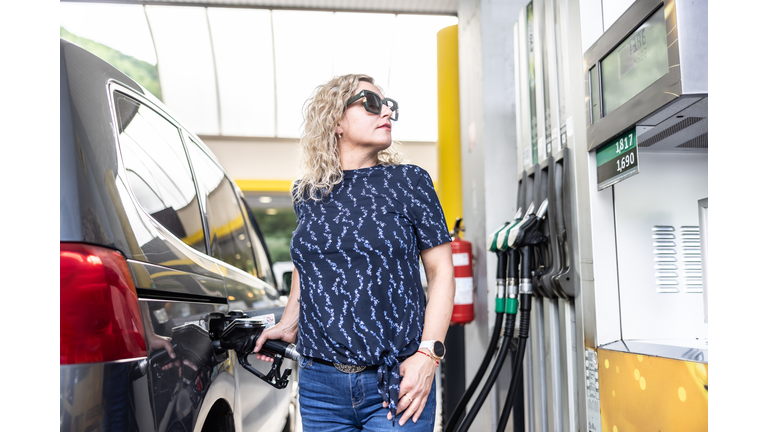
[[334, 401]]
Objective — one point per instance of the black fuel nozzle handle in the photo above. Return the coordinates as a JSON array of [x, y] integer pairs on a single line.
[[273, 377], [274, 347], [528, 233], [513, 264], [235, 331], [277, 349], [526, 263], [501, 265], [513, 256]]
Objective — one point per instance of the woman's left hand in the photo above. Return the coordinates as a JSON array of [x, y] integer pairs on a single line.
[[418, 372]]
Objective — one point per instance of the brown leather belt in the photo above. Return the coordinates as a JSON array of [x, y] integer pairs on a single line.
[[350, 369]]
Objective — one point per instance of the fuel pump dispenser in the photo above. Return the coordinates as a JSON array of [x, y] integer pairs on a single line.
[[236, 331], [524, 237], [629, 144], [498, 244], [506, 304], [517, 243]]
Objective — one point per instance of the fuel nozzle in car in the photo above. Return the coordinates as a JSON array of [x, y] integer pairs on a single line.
[[238, 332]]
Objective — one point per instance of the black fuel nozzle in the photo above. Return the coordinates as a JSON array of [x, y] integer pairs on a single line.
[[236, 331], [528, 232]]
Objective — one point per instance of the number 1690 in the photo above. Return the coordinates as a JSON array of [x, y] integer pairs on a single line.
[[625, 162]]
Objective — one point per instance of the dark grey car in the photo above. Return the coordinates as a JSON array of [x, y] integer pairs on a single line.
[[155, 236]]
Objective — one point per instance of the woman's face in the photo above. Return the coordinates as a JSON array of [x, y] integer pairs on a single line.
[[360, 128]]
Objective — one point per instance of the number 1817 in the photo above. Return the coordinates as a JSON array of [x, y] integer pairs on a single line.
[[624, 144]]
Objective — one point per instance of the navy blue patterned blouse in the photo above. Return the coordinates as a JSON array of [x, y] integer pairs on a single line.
[[357, 254]]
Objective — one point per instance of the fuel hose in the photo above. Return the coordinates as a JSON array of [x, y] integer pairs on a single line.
[[492, 347], [503, 290], [526, 292], [509, 327]]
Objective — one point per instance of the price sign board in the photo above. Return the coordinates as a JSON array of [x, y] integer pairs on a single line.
[[617, 160]]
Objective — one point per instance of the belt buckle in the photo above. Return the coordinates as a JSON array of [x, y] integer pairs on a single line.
[[350, 369]]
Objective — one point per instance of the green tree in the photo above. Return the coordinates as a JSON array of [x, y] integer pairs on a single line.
[[140, 71]]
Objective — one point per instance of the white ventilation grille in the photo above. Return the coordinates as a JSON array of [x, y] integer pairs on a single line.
[[674, 270], [692, 258], [665, 259]]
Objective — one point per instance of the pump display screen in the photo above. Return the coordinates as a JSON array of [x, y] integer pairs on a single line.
[[636, 63]]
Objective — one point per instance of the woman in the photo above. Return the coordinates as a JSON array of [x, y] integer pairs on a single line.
[[370, 342]]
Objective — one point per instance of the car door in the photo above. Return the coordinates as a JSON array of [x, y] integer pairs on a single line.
[[177, 282], [245, 270]]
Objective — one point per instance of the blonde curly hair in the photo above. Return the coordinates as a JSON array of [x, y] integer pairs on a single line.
[[319, 161]]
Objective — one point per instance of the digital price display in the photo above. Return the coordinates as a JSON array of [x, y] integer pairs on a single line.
[[617, 160], [636, 63]]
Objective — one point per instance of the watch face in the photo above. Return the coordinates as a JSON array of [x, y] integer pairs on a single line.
[[439, 349]]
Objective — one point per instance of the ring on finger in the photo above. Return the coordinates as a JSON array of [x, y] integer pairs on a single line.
[[409, 398]]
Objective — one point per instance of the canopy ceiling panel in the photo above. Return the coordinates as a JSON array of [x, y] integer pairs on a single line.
[[242, 47], [185, 65], [302, 63], [435, 7], [413, 79], [364, 44]]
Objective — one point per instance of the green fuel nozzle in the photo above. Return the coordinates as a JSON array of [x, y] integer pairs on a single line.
[[501, 266]]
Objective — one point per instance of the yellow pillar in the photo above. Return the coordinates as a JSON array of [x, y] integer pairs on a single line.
[[448, 124]]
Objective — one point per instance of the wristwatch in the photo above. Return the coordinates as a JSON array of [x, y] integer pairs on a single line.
[[435, 348]]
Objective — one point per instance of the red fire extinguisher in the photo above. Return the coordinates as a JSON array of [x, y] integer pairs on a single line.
[[464, 299]]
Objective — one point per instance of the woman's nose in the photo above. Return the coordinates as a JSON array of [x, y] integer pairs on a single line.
[[386, 111]]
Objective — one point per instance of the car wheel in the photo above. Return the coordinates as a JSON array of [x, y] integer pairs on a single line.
[[220, 419]]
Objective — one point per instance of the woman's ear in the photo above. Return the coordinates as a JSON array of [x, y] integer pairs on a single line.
[[339, 130]]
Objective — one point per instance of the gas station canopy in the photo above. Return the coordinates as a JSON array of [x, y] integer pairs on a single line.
[[245, 68]]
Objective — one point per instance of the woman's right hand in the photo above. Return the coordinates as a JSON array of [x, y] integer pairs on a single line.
[[279, 331]]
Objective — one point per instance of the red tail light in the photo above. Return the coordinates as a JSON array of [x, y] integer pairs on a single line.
[[100, 317]]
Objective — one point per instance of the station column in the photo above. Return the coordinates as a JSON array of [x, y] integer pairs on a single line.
[[488, 159]]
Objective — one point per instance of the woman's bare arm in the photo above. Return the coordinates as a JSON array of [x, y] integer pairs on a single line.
[[288, 327], [418, 370]]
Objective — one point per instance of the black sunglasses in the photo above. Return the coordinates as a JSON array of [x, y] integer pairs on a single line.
[[373, 103]]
